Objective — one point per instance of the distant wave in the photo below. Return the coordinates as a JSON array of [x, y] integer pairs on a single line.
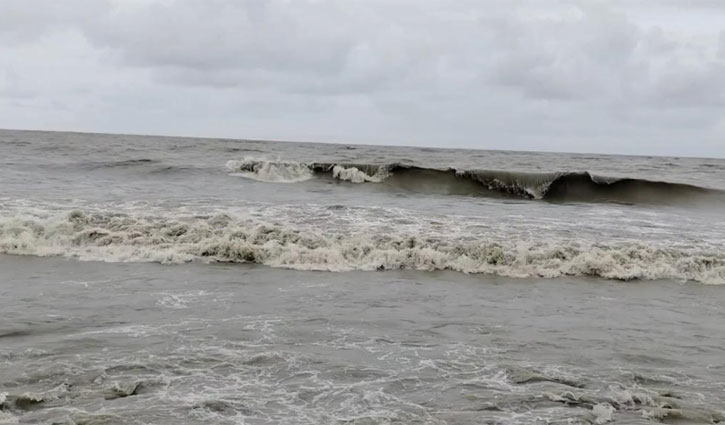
[[556, 186], [113, 237], [141, 165]]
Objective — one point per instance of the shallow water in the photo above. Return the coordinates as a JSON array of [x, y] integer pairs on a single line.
[[146, 343]]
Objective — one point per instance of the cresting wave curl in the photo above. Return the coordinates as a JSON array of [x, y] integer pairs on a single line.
[[116, 237]]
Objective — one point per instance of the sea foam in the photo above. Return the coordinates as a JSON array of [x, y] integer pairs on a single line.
[[270, 170], [178, 238]]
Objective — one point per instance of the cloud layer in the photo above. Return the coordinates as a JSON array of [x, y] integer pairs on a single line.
[[619, 77]]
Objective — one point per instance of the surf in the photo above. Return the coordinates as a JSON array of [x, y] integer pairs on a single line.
[[174, 238]]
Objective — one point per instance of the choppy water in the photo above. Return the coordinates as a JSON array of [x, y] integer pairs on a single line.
[[405, 285]]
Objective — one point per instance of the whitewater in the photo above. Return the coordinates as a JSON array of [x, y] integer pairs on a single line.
[[184, 280]]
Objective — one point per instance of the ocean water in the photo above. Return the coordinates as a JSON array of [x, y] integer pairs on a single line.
[[175, 280]]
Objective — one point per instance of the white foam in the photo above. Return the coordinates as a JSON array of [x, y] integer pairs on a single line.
[[270, 170], [7, 418], [602, 413], [354, 175], [359, 244], [180, 300]]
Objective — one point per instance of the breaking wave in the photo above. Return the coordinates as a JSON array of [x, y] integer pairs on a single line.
[[355, 175], [556, 186], [115, 237], [271, 171]]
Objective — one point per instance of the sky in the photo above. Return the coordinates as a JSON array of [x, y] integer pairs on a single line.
[[617, 76]]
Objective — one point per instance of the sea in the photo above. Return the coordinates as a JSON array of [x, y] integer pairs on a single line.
[[172, 280]]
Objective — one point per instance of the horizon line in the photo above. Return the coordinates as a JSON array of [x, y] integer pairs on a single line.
[[342, 143]]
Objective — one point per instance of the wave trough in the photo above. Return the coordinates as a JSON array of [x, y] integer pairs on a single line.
[[555, 186]]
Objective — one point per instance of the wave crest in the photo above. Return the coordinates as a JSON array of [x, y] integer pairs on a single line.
[[354, 175], [556, 186], [275, 171]]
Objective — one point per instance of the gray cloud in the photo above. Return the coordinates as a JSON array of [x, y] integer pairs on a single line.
[[25, 22], [620, 76], [215, 34]]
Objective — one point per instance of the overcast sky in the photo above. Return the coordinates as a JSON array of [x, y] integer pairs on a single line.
[[628, 76]]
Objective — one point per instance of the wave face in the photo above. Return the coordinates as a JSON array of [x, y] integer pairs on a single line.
[[556, 187], [115, 237]]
